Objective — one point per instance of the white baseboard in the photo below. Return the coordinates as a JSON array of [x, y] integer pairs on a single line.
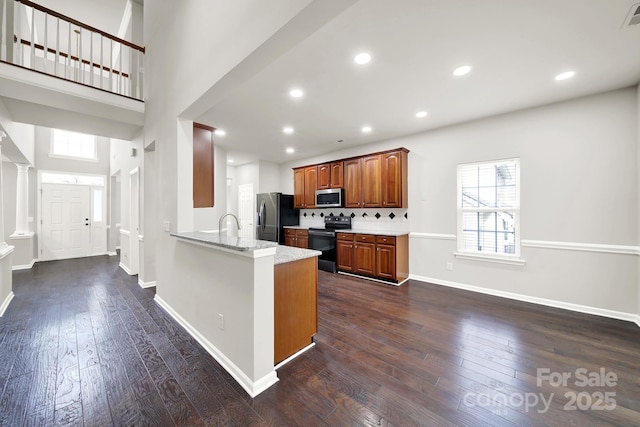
[[112, 253], [25, 266], [5, 303], [126, 269], [620, 315], [253, 388], [146, 284]]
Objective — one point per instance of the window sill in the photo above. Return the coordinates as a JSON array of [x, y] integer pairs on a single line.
[[82, 159], [488, 258]]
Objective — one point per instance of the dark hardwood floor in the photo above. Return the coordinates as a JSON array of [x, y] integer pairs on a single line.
[[82, 343]]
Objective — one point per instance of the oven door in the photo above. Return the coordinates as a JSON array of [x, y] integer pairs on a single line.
[[325, 242]]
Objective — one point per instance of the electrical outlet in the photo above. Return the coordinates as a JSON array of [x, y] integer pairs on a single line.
[[449, 266], [167, 226], [221, 321]]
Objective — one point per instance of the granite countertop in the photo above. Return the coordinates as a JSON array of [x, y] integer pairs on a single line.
[[222, 240], [297, 227], [289, 253]]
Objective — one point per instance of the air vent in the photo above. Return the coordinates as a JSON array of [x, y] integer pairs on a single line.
[[633, 18]]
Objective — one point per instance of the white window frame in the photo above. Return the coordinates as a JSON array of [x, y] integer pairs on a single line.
[[515, 258], [62, 156]]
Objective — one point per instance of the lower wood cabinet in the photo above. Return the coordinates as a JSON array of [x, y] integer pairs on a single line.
[[296, 237], [381, 257]]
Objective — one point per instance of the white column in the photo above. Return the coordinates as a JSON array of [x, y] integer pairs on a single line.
[[22, 200], [3, 243]]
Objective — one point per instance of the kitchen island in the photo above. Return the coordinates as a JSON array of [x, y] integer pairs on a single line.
[[228, 293]]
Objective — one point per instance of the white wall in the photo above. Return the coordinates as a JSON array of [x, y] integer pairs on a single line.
[[268, 177], [579, 167], [177, 78], [638, 180], [123, 162]]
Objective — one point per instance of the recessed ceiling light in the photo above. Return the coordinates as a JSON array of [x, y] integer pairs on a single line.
[[296, 93], [220, 132], [230, 160], [362, 58], [366, 129], [290, 150], [421, 114], [462, 70], [566, 75], [288, 130]]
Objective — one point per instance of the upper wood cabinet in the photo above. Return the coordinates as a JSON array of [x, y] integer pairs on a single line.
[[394, 179], [304, 187], [377, 180], [310, 185], [298, 188], [337, 175], [353, 183], [372, 181], [330, 175], [324, 176], [203, 182]]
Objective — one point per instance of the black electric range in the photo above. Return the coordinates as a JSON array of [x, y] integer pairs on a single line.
[[324, 240]]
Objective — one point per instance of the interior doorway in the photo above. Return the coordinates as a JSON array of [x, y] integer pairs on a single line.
[[246, 211]]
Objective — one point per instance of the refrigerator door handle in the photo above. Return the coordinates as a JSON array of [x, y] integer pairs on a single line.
[[261, 215], [263, 219]]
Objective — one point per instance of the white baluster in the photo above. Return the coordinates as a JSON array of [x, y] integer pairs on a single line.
[[120, 81], [45, 52], [33, 40], [91, 58], [55, 66], [111, 65], [101, 60], [68, 73]]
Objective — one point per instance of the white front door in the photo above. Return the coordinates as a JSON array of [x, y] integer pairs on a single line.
[[66, 225], [246, 211]]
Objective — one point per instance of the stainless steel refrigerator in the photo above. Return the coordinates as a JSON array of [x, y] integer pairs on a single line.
[[274, 211]]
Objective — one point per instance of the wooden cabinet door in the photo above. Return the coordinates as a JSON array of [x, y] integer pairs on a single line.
[[386, 261], [392, 182], [337, 174], [310, 183], [302, 239], [372, 181], [290, 240], [324, 176], [302, 242], [364, 258], [298, 188], [344, 255], [353, 183], [203, 161]]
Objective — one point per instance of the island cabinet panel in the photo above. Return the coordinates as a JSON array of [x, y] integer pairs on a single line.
[[353, 183], [344, 251], [295, 306], [298, 188], [364, 254], [337, 174], [324, 176], [394, 179], [372, 181]]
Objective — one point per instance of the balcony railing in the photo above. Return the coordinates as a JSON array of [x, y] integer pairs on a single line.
[[46, 41]]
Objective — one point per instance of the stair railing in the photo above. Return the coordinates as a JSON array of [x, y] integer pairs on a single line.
[[46, 41]]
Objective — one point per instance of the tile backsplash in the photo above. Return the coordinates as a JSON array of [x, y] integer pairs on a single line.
[[382, 219]]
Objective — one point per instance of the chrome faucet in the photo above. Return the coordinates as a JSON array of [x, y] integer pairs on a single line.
[[223, 217]]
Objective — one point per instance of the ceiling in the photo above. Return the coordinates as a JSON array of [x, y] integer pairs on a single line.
[[515, 47]]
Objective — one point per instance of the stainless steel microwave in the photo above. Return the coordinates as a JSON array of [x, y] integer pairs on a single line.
[[330, 198]]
